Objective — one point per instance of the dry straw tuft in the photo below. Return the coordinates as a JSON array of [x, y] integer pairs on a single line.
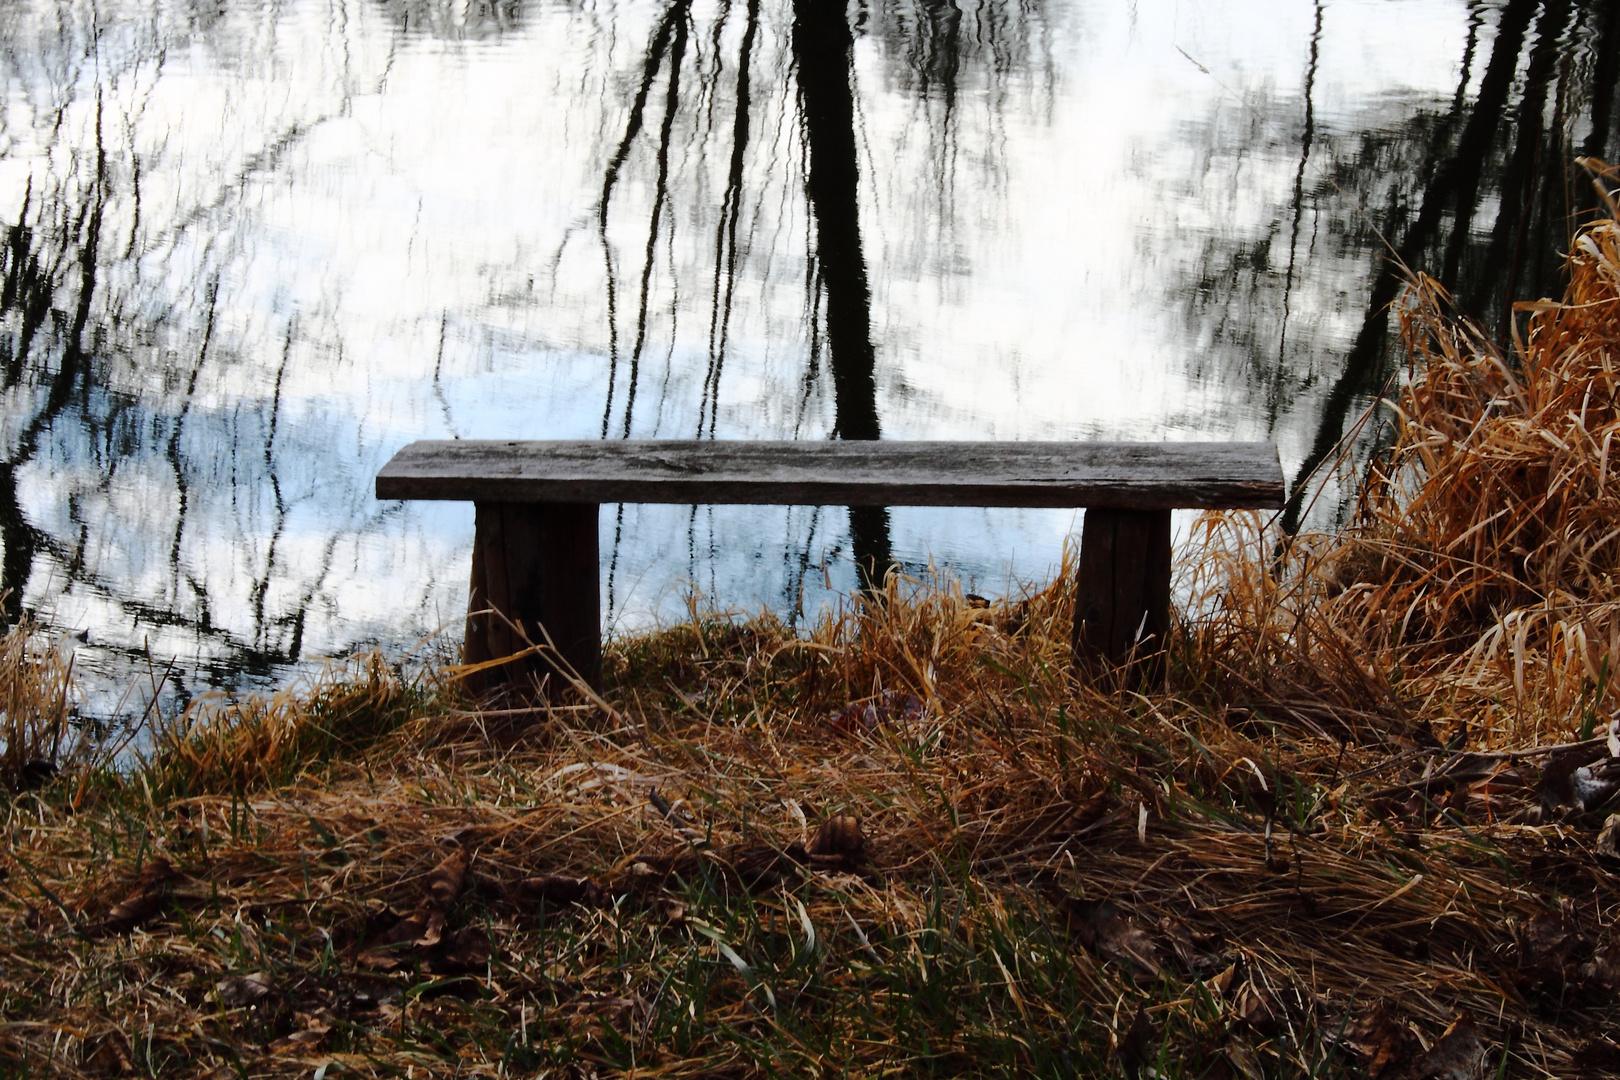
[[1488, 550], [241, 746], [35, 698], [1483, 561]]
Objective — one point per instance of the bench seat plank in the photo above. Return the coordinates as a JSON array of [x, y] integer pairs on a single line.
[[1140, 476]]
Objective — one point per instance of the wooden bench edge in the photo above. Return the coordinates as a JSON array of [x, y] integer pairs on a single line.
[[403, 477]]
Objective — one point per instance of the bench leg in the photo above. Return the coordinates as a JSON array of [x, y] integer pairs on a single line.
[[535, 564], [1122, 597]]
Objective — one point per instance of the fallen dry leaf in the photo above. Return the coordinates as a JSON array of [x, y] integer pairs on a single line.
[[1602, 973], [642, 876], [423, 928], [1382, 1041], [763, 868], [616, 1013], [1458, 1055], [1608, 841], [444, 881], [145, 900], [1545, 946], [838, 844], [463, 951], [310, 1037], [1109, 932], [1547, 939], [555, 890], [1192, 950], [241, 990], [1257, 1008]]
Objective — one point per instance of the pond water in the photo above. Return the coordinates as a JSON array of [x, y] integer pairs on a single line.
[[252, 247]]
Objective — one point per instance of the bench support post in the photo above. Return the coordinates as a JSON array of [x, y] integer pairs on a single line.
[[536, 564], [1122, 597]]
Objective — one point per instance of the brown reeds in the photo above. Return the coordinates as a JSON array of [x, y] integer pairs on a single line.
[[35, 735], [1483, 559], [1490, 532]]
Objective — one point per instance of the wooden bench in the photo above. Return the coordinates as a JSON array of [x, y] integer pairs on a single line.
[[535, 548]]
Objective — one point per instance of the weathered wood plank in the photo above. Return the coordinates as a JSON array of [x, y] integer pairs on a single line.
[[536, 565], [1122, 595], [1143, 476]]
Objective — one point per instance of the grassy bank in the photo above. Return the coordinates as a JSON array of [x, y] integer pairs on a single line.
[[1345, 832]]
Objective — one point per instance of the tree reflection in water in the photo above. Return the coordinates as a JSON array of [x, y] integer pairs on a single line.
[[822, 53], [179, 483], [930, 50], [143, 479], [1503, 148]]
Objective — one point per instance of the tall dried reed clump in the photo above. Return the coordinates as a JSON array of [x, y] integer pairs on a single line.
[[1483, 564], [1491, 543], [34, 703]]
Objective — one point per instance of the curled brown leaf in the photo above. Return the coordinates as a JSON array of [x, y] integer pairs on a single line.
[[143, 901], [838, 844], [557, 890], [1110, 933]]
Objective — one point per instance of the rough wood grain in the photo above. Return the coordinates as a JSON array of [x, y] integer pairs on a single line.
[[1122, 595], [536, 565], [1143, 476]]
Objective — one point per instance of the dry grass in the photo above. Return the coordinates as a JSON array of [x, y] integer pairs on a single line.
[[240, 746], [1333, 839], [1488, 546], [35, 697]]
